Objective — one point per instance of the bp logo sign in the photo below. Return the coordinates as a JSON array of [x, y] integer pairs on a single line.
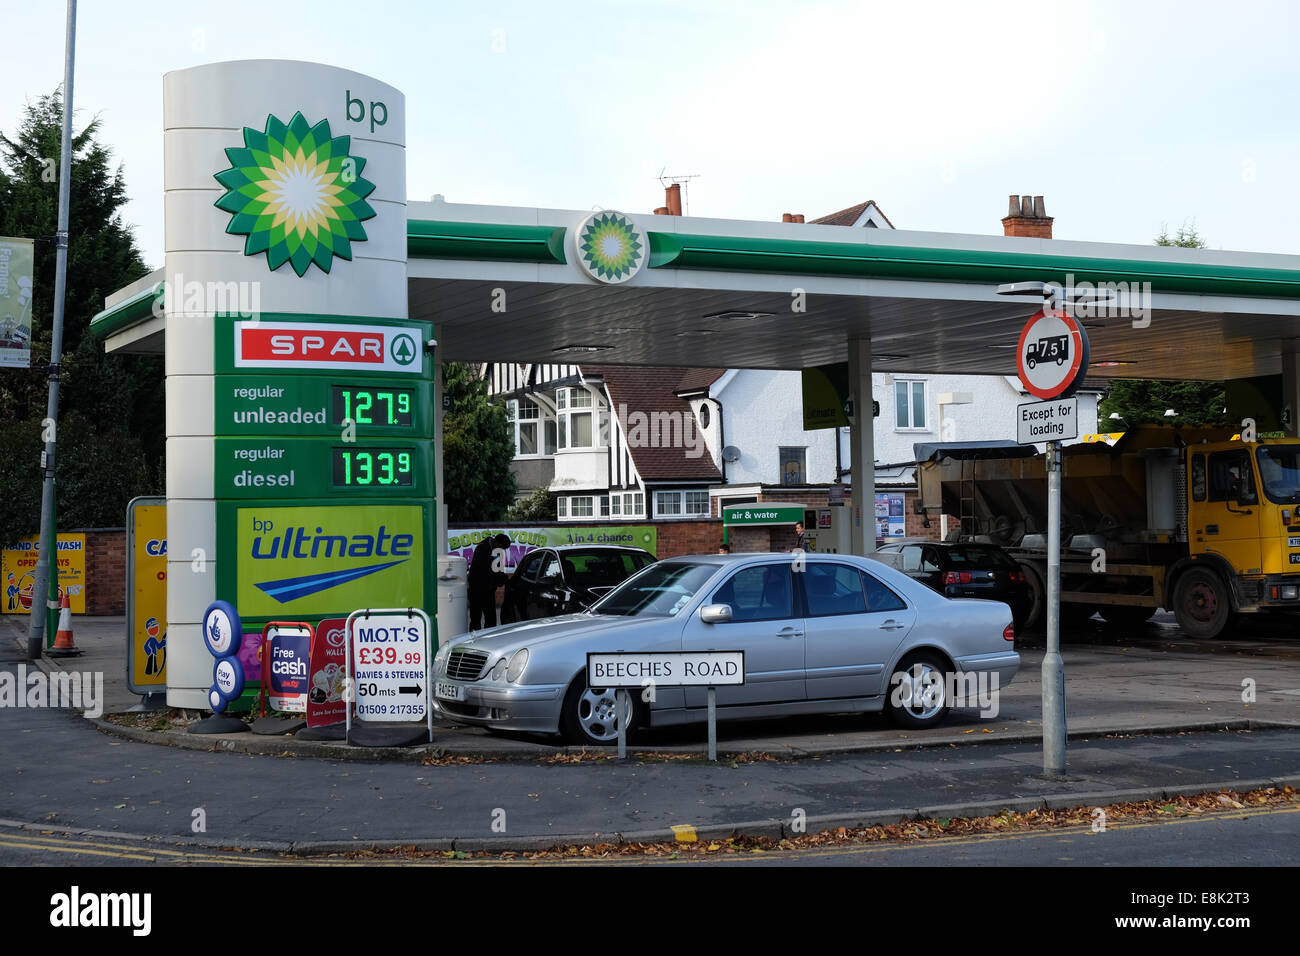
[[610, 247], [297, 195]]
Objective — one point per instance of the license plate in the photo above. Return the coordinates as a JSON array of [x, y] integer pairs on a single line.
[[1293, 541], [449, 691]]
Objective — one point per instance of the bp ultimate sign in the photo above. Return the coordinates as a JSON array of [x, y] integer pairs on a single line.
[[299, 435]]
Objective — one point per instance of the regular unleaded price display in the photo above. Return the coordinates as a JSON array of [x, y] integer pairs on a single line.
[[390, 668], [372, 406]]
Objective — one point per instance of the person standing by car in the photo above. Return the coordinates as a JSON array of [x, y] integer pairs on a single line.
[[800, 538], [486, 574]]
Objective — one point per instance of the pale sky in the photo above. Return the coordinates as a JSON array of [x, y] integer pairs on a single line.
[[1124, 115]]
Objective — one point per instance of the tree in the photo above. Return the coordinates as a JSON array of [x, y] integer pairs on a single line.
[[111, 437], [477, 448], [1144, 402], [539, 506]]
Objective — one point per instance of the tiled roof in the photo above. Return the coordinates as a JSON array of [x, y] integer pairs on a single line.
[[698, 379], [647, 391], [847, 217]]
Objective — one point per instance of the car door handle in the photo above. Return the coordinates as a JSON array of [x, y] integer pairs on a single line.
[[891, 625], [789, 632]]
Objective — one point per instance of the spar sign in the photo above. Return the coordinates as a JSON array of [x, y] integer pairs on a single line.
[[388, 666], [317, 345], [1052, 355]]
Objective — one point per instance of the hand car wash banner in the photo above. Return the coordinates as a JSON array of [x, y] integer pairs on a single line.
[[463, 541]]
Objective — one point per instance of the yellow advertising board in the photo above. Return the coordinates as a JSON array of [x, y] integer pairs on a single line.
[[18, 571], [147, 598]]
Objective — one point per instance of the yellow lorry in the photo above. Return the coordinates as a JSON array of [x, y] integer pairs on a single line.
[[1194, 520]]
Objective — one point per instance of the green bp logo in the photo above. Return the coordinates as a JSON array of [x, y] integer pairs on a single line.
[[610, 247], [296, 194]]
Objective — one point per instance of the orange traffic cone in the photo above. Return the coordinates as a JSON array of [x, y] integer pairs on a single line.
[[64, 645]]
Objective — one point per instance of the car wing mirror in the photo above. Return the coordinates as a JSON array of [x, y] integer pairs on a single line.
[[715, 613]]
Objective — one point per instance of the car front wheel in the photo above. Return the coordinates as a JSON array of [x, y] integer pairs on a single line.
[[590, 715], [918, 692]]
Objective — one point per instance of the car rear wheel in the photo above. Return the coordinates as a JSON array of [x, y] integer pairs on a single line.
[[918, 692], [590, 715]]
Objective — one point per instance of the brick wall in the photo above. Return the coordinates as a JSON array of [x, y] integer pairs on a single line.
[[105, 570]]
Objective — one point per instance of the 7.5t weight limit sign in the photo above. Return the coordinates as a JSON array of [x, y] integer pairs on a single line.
[[1052, 355]]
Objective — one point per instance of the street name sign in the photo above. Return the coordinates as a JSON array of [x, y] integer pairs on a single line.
[[666, 669]]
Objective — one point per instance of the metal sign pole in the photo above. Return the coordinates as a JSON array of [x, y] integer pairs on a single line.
[[620, 701], [713, 724], [1053, 666]]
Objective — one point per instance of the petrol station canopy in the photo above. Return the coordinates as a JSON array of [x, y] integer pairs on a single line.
[[500, 283]]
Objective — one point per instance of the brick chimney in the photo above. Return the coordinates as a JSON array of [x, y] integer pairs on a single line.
[[674, 199], [792, 217], [1027, 216]]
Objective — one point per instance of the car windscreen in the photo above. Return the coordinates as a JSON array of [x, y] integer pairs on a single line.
[[979, 558], [601, 569], [1279, 468], [661, 590]]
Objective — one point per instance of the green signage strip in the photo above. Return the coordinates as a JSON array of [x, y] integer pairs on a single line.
[[761, 514], [320, 405], [314, 468], [318, 558]]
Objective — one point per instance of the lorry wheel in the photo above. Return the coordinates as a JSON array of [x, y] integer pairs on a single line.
[[1201, 603], [1126, 615]]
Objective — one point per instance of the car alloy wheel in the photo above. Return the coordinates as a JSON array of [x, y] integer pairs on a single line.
[[590, 715], [918, 692]]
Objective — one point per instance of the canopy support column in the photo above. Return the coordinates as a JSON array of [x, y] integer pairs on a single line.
[[862, 444]]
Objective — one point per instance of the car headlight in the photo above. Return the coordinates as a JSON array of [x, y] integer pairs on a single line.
[[441, 657], [498, 669], [518, 661]]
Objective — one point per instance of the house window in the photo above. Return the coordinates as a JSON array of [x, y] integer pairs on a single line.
[[530, 427], [616, 505], [680, 504], [574, 418], [561, 507], [580, 507], [794, 466], [604, 506], [909, 405], [668, 503]]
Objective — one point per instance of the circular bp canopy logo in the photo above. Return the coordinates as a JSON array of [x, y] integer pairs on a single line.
[[610, 247], [296, 194]]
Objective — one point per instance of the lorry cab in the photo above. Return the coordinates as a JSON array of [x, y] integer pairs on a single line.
[[1243, 503]]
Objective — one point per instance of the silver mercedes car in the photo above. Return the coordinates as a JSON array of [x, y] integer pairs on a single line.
[[821, 633]]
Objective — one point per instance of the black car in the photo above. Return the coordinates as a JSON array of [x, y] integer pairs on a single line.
[[961, 570], [566, 579]]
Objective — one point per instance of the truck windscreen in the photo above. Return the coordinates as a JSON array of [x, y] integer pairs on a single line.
[[1279, 470]]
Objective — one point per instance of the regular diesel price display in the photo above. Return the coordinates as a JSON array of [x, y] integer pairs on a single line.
[[373, 467], [372, 406]]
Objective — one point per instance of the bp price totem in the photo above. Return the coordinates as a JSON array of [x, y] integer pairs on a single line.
[[299, 394]]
